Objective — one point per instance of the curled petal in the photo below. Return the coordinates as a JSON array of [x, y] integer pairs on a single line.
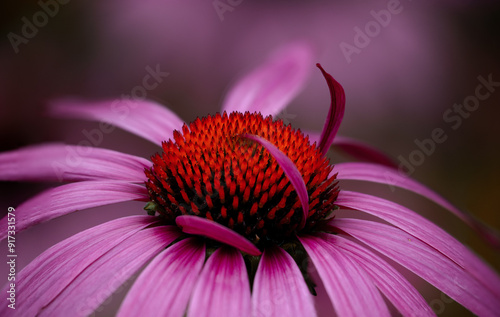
[[269, 88], [144, 118], [213, 230], [335, 113], [291, 172]]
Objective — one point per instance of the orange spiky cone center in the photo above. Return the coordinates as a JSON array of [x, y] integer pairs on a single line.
[[207, 170]]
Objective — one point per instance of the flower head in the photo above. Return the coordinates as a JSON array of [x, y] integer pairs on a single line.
[[216, 170], [241, 208]]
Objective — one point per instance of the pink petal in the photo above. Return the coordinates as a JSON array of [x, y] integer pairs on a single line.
[[335, 113], [384, 175], [46, 276], [100, 279], [351, 290], [362, 151], [279, 288], [291, 172], [269, 88], [68, 198], [165, 286], [424, 261], [144, 118], [213, 230], [424, 230], [223, 288], [357, 149], [58, 162], [390, 282]]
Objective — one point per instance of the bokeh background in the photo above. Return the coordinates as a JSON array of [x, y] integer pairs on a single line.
[[425, 59]]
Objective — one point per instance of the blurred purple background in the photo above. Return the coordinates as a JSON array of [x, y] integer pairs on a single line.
[[401, 71]]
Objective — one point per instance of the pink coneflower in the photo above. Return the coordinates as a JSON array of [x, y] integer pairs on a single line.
[[240, 207]]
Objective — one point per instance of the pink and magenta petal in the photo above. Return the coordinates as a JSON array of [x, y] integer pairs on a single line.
[[393, 178], [106, 274], [357, 149], [279, 288], [424, 261], [68, 198], [349, 287], [165, 286], [146, 119], [46, 276], [59, 162], [424, 230], [269, 88], [223, 289], [362, 151], [291, 172], [388, 280], [335, 113], [213, 230]]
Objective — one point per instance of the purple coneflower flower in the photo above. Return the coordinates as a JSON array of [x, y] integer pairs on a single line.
[[240, 207]]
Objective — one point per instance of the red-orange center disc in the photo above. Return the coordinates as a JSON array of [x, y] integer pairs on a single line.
[[207, 170]]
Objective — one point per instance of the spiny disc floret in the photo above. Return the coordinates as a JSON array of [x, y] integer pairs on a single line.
[[209, 171]]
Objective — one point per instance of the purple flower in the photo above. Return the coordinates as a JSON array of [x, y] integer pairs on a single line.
[[241, 209]]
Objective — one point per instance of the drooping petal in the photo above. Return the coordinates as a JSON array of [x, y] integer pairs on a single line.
[[144, 118], [424, 230], [291, 172], [223, 288], [349, 287], [165, 286], [105, 275], [383, 175], [362, 151], [270, 87], [213, 230], [357, 149], [68, 198], [335, 113], [46, 276], [424, 261], [59, 162], [279, 288], [388, 280], [393, 178]]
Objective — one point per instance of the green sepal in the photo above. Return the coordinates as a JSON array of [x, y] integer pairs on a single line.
[[151, 207]]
